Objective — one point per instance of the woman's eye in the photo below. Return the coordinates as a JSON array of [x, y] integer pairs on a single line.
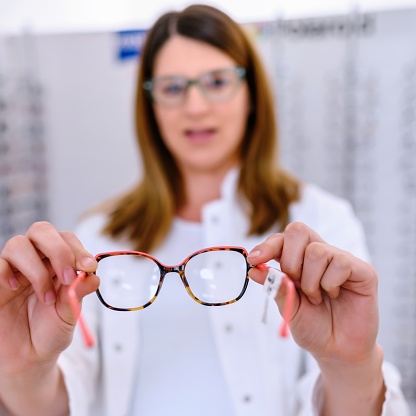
[[172, 89], [216, 82]]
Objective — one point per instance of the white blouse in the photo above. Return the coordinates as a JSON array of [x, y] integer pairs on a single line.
[[178, 367]]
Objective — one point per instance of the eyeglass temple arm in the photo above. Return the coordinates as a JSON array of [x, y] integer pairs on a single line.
[[87, 335], [290, 296]]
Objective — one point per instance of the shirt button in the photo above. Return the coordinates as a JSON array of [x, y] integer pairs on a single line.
[[214, 220], [228, 328], [247, 398], [118, 347]]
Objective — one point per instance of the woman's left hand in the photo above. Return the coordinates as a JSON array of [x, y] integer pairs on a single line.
[[335, 316], [335, 313]]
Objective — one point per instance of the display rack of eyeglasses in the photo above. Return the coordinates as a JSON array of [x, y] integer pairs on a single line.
[[23, 184], [405, 246]]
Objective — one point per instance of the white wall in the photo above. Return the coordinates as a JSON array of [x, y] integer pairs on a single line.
[[89, 98], [51, 16]]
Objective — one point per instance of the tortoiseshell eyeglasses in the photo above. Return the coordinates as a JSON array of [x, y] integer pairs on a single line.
[[132, 280]]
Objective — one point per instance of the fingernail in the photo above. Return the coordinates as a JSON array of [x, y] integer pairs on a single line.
[[69, 275], [87, 262], [50, 297], [314, 301], [254, 253], [14, 284]]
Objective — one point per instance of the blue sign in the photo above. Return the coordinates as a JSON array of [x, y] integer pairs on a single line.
[[130, 43]]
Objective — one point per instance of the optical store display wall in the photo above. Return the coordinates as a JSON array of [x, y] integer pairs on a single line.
[[346, 94], [23, 176], [346, 88]]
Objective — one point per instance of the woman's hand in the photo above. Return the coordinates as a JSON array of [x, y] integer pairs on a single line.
[[36, 319], [335, 315]]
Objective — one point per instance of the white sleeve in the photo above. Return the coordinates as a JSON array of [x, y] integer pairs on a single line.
[[395, 404], [80, 367], [310, 394]]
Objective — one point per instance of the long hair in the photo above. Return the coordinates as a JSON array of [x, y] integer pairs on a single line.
[[144, 215]]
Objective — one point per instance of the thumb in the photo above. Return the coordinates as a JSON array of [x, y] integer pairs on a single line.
[[70, 297]]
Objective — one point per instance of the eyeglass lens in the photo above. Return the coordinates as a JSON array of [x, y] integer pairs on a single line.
[[133, 281], [215, 85]]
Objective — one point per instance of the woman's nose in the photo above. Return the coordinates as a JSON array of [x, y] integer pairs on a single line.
[[195, 100]]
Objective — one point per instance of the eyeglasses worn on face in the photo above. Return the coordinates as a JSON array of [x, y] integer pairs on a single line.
[[218, 85]]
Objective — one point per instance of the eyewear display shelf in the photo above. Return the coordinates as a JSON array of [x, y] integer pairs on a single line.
[[23, 185], [348, 123]]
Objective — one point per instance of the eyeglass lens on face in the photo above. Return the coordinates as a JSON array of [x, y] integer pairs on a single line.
[[212, 277], [218, 85]]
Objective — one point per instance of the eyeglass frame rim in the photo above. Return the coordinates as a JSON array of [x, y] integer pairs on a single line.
[[148, 84], [179, 269]]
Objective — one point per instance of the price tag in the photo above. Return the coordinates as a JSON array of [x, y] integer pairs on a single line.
[[271, 287]]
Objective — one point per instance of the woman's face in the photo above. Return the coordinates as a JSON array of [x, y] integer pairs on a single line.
[[203, 135]]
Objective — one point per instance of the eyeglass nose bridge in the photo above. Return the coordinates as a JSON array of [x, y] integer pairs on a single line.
[[194, 82], [179, 269]]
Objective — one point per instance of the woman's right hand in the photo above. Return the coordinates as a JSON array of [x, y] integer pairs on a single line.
[[36, 318]]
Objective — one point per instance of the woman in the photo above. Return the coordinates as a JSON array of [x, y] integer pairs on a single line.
[[205, 124]]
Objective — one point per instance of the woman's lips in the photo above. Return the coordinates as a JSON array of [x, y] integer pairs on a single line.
[[199, 135]]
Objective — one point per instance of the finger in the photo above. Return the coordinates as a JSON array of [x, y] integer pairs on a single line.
[[24, 261], [42, 241], [338, 272], [84, 285], [316, 260], [68, 304], [297, 237], [84, 261], [346, 271], [8, 280], [270, 249], [258, 274], [60, 249]]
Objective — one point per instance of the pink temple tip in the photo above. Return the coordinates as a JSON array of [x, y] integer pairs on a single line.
[[87, 335], [263, 267], [289, 303]]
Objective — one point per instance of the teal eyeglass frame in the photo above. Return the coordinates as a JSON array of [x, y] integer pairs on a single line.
[[201, 82]]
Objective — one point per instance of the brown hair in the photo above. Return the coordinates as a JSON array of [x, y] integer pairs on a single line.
[[144, 215]]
